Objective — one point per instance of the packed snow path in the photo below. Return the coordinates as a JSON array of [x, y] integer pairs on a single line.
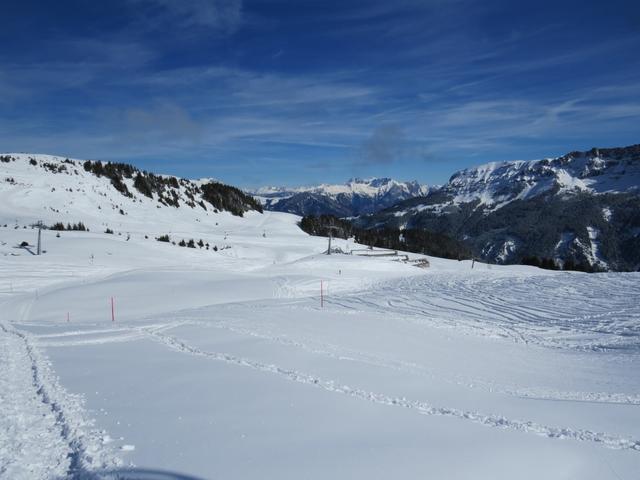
[[28, 421], [43, 434]]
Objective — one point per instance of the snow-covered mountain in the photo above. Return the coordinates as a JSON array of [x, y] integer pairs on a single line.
[[583, 207], [356, 197], [105, 195], [597, 171]]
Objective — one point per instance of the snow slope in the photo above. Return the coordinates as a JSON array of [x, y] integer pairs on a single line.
[[227, 366], [56, 189], [224, 364]]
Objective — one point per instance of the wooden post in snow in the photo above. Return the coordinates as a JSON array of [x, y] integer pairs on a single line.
[[40, 237]]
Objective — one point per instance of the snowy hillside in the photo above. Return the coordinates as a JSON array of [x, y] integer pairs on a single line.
[[115, 196], [355, 197], [579, 209]]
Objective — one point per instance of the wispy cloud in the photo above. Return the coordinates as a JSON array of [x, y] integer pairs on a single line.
[[221, 15]]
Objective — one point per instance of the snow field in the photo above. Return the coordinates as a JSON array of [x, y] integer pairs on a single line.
[[224, 365]]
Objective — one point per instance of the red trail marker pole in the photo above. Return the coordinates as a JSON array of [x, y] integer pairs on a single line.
[[113, 314]]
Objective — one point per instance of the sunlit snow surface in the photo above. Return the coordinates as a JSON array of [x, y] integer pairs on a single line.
[[224, 365]]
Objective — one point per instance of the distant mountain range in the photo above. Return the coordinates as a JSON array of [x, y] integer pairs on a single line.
[[356, 197], [583, 207]]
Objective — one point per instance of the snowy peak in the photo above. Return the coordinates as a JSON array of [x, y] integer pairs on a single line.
[[610, 170], [369, 187], [355, 197], [271, 190]]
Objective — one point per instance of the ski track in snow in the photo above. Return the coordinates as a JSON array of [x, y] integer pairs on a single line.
[[44, 431], [344, 354], [424, 408], [560, 315], [336, 352]]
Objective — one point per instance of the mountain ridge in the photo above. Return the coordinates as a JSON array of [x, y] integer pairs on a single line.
[[582, 207], [355, 197], [103, 194]]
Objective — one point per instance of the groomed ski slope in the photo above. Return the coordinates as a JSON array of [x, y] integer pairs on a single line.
[[224, 365]]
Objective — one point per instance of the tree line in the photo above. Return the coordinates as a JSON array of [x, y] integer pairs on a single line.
[[408, 240]]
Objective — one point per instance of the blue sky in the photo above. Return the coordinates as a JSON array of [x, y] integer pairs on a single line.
[[299, 92]]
